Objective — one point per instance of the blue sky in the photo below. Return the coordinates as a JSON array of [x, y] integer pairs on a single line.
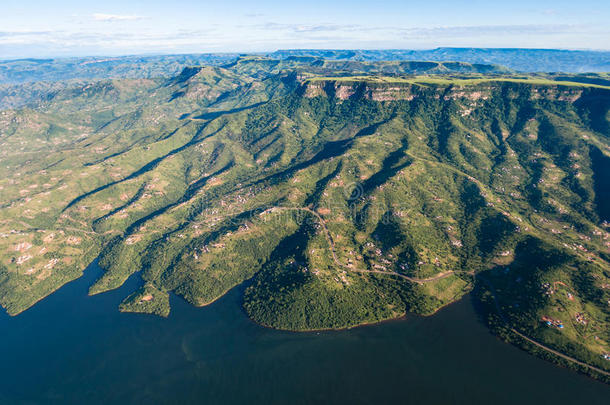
[[38, 28]]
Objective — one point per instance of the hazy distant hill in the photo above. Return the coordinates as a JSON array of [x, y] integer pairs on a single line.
[[262, 66], [525, 60], [35, 70]]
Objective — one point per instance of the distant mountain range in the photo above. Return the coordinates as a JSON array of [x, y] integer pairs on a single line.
[[522, 60], [25, 81], [519, 59], [133, 67]]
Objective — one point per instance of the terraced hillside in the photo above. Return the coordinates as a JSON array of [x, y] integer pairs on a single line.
[[343, 200]]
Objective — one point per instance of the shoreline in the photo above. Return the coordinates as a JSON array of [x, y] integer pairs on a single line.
[[402, 317]]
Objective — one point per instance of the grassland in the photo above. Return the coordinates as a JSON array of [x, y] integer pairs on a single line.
[[450, 81]]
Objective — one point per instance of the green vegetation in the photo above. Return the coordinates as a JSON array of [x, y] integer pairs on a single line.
[[149, 300], [345, 198], [551, 298], [424, 80]]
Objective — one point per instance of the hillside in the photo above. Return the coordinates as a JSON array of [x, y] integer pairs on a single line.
[[342, 193]]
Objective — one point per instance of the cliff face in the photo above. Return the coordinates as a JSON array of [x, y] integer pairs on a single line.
[[390, 91], [343, 91]]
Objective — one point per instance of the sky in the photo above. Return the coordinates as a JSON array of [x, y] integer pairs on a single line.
[[55, 28]]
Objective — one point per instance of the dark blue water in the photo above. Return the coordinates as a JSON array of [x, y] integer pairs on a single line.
[[71, 348]]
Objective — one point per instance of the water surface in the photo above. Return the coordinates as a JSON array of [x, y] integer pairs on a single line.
[[71, 348]]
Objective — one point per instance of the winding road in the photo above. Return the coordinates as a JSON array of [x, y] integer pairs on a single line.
[[535, 343]]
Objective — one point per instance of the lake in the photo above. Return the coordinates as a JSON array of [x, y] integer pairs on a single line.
[[71, 348]]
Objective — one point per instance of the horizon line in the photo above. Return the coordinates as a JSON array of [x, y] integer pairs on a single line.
[[228, 52]]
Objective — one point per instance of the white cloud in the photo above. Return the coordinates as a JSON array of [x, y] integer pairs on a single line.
[[115, 17], [99, 39], [550, 11], [498, 31]]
